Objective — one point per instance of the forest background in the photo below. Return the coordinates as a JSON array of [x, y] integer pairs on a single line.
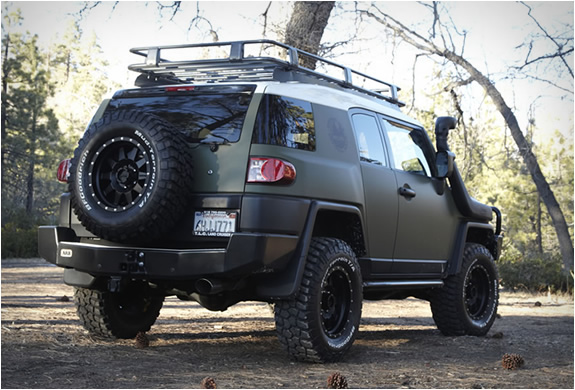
[[59, 59]]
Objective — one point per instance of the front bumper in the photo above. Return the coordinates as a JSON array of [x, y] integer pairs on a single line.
[[245, 253]]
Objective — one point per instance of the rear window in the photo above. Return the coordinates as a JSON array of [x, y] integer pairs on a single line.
[[285, 122], [202, 114]]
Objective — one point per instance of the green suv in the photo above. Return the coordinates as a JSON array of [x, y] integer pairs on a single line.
[[233, 173]]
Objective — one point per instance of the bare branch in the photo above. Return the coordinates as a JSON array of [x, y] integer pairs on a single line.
[[555, 85], [433, 7], [88, 6], [561, 53], [196, 20], [407, 34], [265, 16], [413, 81], [457, 84], [174, 7]]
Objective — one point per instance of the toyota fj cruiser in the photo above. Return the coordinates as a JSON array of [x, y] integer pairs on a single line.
[[233, 173]]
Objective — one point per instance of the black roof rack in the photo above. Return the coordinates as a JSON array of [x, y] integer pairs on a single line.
[[251, 60]]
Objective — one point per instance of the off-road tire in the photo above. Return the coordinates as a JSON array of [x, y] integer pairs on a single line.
[[118, 315], [131, 177], [321, 322], [467, 303]]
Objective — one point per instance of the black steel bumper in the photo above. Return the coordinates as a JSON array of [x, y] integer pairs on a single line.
[[245, 253]]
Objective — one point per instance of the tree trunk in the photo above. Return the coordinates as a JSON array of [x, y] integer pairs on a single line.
[[32, 161], [305, 27], [5, 75], [539, 237], [30, 187]]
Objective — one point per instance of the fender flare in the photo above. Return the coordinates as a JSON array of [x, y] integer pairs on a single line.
[[493, 244], [287, 283]]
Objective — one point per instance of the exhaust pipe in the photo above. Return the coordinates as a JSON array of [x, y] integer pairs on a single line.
[[207, 287]]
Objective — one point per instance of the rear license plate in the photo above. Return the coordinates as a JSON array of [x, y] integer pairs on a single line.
[[215, 223]]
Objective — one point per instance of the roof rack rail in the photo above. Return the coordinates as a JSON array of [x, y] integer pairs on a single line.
[[252, 60]]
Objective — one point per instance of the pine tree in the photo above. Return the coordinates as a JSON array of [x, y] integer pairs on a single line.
[[29, 127], [80, 75]]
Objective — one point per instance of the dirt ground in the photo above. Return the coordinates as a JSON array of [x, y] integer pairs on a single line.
[[44, 346]]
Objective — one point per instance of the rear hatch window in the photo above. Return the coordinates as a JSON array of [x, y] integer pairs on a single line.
[[204, 114]]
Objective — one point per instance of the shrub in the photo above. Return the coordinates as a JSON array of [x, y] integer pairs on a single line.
[[19, 242], [536, 274], [19, 232]]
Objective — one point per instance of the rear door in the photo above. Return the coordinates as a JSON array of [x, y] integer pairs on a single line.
[[427, 220], [379, 190]]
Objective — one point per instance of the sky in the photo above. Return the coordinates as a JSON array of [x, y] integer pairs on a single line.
[[494, 29]]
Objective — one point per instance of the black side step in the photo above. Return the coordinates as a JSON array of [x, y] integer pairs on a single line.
[[401, 284]]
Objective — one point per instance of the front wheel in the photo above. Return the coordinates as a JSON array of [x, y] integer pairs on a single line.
[[467, 303], [321, 322], [118, 315]]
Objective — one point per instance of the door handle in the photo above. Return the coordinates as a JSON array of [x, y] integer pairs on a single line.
[[407, 192]]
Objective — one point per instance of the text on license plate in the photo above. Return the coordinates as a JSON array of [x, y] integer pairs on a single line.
[[215, 223]]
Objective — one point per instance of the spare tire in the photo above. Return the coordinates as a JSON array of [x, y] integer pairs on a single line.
[[131, 177]]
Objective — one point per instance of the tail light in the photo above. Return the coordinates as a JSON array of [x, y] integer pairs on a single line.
[[270, 170], [64, 170], [186, 88]]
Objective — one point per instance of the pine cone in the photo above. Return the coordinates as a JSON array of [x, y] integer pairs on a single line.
[[142, 340], [208, 383], [336, 381], [512, 361]]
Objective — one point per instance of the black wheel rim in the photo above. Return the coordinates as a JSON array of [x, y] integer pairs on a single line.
[[336, 301], [477, 292], [120, 173]]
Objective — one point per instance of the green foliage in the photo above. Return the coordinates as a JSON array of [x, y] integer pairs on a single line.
[[20, 235], [48, 97], [533, 273], [18, 242], [29, 127], [80, 74]]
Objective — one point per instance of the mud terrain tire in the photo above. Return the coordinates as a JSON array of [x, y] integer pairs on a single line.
[[321, 322], [131, 177], [118, 315], [467, 303]]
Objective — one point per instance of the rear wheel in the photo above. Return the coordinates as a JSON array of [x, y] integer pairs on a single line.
[[321, 322], [467, 303], [118, 315], [131, 177]]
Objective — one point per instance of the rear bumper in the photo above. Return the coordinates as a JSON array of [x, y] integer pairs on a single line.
[[246, 253]]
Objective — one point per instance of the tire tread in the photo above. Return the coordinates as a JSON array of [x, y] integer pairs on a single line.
[[293, 315], [174, 182], [448, 315]]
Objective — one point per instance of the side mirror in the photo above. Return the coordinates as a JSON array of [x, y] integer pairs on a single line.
[[445, 162], [442, 126]]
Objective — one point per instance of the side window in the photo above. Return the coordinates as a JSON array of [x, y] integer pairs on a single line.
[[407, 154], [285, 122], [368, 137]]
